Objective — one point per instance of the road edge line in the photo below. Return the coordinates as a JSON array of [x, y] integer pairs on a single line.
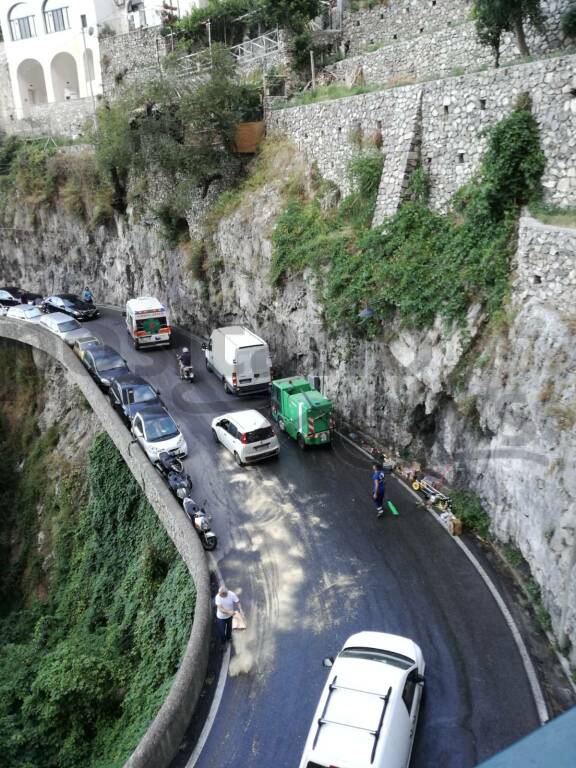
[[530, 670]]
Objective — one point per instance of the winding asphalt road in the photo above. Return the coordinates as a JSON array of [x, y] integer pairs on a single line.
[[300, 543]]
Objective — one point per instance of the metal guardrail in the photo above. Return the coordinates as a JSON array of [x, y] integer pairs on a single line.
[[256, 48]]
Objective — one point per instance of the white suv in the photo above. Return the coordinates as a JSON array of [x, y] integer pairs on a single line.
[[247, 434], [367, 714]]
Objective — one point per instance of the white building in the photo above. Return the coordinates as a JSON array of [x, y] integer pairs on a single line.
[[52, 49]]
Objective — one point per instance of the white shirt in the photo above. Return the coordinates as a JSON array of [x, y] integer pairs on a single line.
[[228, 603]]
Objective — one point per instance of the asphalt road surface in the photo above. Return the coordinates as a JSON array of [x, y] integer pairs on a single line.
[[300, 543]]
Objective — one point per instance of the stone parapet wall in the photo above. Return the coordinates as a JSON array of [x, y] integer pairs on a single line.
[[455, 113], [68, 119], [131, 58], [545, 266], [160, 744]]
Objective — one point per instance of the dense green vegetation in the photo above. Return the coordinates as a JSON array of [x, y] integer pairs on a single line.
[[89, 645], [419, 263]]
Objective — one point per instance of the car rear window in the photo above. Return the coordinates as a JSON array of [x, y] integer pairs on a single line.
[[140, 394], [69, 325], [265, 433], [151, 324], [32, 312], [375, 654], [109, 363]]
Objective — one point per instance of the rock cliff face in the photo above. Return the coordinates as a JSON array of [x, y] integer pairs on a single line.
[[492, 409]]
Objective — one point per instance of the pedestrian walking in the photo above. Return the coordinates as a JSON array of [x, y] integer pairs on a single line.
[[378, 488], [227, 604]]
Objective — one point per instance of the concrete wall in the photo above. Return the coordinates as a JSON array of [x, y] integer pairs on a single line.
[[160, 744], [455, 113], [545, 265]]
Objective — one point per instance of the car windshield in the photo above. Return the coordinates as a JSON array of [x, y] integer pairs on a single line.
[[109, 363], [74, 304], [139, 394], [264, 433], [374, 654], [69, 325], [32, 312], [161, 428]]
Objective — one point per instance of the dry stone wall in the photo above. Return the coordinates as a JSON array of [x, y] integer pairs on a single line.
[[69, 119], [396, 20], [131, 58], [455, 113], [546, 264]]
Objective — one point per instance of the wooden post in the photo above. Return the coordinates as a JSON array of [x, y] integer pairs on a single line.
[[313, 70]]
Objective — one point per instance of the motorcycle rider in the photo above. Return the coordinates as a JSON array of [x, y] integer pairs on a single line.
[[184, 360]]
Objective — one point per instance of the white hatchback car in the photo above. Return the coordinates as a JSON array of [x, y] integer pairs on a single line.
[[248, 435], [25, 312], [157, 432], [367, 714]]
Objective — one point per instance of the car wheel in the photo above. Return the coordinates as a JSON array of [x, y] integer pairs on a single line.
[[136, 344], [227, 388], [301, 442], [215, 436], [208, 366], [238, 460], [281, 425]]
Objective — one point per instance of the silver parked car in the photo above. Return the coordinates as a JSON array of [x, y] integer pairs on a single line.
[[25, 312], [65, 327]]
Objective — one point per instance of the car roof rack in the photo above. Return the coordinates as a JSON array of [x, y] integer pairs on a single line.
[[322, 720]]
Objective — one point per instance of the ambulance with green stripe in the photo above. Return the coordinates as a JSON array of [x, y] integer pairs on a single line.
[[148, 323], [301, 411]]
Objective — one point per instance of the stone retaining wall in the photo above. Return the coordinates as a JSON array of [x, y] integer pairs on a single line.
[[546, 264], [160, 744], [68, 119], [131, 58], [455, 113]]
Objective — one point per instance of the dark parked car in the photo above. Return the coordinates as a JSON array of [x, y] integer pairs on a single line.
[[130, 394], [104, 364], [9, 297], [71, 305]]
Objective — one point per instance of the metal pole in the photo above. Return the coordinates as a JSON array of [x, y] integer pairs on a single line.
[[313, 70]]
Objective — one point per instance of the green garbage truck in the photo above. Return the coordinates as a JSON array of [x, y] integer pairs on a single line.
[[301, 411]]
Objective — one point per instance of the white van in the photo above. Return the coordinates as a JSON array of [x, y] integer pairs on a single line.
[[240, 359], [64, 326], [147, 322], [367, 714]]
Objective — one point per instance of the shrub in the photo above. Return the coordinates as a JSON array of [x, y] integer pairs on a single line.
[[467, 506], [569, 22]]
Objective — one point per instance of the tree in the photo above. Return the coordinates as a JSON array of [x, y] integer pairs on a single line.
[[493, 17], [293, 14]]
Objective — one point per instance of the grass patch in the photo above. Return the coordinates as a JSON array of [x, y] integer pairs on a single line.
[[557, 217], [327, 93]]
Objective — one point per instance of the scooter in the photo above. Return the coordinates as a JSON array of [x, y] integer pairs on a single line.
[[200, 519], [172, 470], [186, 372]]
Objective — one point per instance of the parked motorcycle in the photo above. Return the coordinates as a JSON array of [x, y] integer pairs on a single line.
[[172, 470], [186, 372], [200, 519]]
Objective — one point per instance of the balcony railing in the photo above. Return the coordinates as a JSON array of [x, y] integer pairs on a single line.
[[257, 47], [23, 28], [56, 20]]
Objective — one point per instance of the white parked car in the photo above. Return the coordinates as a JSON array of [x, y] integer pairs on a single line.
[[156, 431], [247, 434], [65, 327], [25, 312], [369, 707]]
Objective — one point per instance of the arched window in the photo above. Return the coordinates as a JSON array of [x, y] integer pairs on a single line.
[[22, 21], [56, 17], [64, 77], [31, 84]]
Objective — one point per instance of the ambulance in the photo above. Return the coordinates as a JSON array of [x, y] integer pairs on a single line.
[[147, 322]]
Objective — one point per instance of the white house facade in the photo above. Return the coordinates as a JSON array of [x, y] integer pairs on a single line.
[[52, 48]]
